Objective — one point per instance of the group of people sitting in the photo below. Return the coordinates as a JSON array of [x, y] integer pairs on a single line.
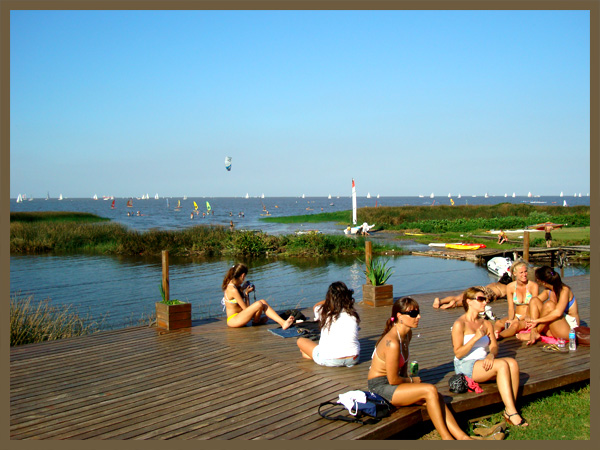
[[531, 314]]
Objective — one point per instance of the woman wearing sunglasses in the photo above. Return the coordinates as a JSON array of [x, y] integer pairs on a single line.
[[338, 345], [388, 375], [475, 350]]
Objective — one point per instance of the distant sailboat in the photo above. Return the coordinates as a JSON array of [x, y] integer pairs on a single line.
[[449, 195], [421, 196], [565, 203], [262, 196], [505, 195], [368, 195], [529, 194], [377, 195], [178, 204], [48, 195], [130, 203], [156, 196], [580, 194], [95, 197], [513, 195], [60, 197], [19, 199], [486, 195], [561, 194], [112, 205], [167, 203], [432, 196], [247, 196], [329, 197], [303, 196], [185, 197], [459, 195]]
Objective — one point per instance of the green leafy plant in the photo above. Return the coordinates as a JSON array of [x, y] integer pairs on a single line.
[[377, 272], [164, 300]]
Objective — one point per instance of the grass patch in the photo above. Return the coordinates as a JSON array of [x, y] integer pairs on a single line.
[[116, 239], [559, 415], [32, 322], [55, 216]]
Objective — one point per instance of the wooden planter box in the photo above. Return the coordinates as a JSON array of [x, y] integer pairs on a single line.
[[378, 295], [173, 317]]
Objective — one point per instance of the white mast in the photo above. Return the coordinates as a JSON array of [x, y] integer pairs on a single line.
[[353, 203]]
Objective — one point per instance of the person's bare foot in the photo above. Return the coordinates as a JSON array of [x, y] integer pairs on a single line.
[[534, 336], [436, 303], [288, 323]]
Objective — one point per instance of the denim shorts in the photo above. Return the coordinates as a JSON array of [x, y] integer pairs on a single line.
[[465, 366], [332, 362]]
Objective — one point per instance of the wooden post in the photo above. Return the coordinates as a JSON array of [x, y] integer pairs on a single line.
[[526, 246], [368, 256], [165, 273]]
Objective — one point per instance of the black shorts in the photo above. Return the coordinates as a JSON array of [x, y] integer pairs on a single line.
[[548, 237]]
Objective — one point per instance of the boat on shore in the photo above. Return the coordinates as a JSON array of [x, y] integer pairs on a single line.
[[499, 265]]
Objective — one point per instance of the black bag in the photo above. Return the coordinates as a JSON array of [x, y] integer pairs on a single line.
[[458, 383], [370, 412], [293, 312]]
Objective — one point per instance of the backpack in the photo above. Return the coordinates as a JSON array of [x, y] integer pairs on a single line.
[[371, 411]]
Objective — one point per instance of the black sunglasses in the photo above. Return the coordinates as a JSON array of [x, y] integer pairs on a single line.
[[412, 313], [481, 299]]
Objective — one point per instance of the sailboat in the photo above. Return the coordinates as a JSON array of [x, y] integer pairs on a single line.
[[167, 203], [60, 197], [529, 194], [353, 202], [580, 194], [112, 206], [156, 196], [19, 199], [459, 195], [329, 196], [561, 194], [178, 207], [95, 197], [505, 195], [302, 195], [431, 196], [513, 195], [130, 203], [185, 197], [262, 196], [47, 195], [449, 195], [486, 195], [368, 195], [565, 203], [377, 195]]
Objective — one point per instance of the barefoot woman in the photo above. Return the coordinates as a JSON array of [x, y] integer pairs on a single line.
[[388, 375], [237, 303]]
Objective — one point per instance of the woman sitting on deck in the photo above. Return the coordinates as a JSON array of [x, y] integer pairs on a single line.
[[553, 312], [471, 334], [338, 321], [494, 291], [388, 375], [237, 303], [518, 293]]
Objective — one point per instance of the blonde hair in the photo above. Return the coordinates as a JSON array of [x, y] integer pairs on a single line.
[[516, 266]]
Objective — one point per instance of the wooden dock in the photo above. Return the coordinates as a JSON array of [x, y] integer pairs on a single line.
[[213, 382]]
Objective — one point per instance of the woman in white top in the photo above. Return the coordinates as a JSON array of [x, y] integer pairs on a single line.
[[338, 345], [471, 335]]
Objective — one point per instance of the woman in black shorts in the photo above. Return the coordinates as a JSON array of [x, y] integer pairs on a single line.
[[388, 375]]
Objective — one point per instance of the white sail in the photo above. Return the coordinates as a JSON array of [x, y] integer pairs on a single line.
[[486, 195], [459, 195], [262, 196], [353, 203], [565, 203], [377, 195], [156, 196], [95, 197], [513, 195], [505, 195], [60, 197], [19, 199], [529, 194], [431, 196], [449, 195], [329, 197], [561, 193], [247, 196], [228, 163], [368, 195]]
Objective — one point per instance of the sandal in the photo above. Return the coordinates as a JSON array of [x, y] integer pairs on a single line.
[[497, 436], [522, 423], [486, 431]]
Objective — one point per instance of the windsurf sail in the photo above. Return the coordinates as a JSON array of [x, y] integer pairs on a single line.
[[452, 202], [179, 203], [228, 163], [195, 206], [113, 205], [353, 202], [167, 203], [130, 203], [208, 208]]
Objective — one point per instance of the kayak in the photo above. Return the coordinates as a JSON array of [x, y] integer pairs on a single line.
[[461, 246], [541, 226], [414, 234]]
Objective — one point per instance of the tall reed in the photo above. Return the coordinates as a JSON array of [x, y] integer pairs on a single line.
[[32, 322]]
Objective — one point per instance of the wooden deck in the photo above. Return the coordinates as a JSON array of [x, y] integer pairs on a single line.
[[212, 382]]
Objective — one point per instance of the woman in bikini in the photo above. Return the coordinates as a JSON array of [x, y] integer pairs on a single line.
[[388, 375], [519, 294], [553, 312], [495, 291], [237, 303], [471, 334]]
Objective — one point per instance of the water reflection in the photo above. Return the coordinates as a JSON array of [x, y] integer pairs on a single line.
[[121, 290]]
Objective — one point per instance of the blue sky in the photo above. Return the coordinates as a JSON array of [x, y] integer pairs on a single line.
[[406, 102]]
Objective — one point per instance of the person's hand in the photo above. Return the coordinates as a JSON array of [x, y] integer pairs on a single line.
[[488, 362], [481, 332], [416, 379], [249, 289], [508, 323], [531, 323]]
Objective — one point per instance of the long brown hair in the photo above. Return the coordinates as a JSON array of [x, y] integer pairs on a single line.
[[235, 271], [471, 293], [339, 298], [400, 306], [548, 275]]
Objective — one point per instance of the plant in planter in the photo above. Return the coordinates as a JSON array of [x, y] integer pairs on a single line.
[[173, 314], [376, 292]]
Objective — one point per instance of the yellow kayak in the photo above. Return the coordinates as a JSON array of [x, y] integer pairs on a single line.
[[461, 246]]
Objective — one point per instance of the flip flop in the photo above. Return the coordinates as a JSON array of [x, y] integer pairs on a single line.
[[497, 436], [486, 431]]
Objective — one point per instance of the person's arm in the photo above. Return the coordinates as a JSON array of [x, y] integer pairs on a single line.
[[510, 291], [534, 289], [234, 293], [392, 359], [461, 350], [558, 310]]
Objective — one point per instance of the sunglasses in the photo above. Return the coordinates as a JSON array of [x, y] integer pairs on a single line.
[[480, 299], [412, 313]]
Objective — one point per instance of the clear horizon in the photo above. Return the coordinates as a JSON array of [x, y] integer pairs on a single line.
[[124, 103]]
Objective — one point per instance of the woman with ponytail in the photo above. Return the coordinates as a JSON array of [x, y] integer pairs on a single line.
[[553, 312], [236, 301], [388, 375], [338, 345]]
